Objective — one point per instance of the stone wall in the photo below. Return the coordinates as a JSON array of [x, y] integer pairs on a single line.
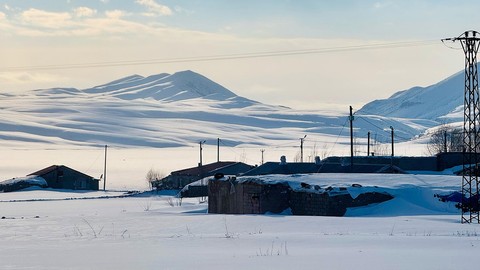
[[250, 197], [324, 204], [231, 197]]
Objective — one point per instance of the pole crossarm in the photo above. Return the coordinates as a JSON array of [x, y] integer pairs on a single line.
[[467, 35]]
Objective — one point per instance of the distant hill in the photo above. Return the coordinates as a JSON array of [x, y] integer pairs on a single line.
[[442, 102], [169, 110]]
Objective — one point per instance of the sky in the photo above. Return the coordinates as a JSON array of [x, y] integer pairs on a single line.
[[328, 54]]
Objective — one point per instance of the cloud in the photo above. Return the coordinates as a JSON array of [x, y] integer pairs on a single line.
[[115, 14], [84, 12], [154, 8], [45, 19], [24, 77], [79, 22]]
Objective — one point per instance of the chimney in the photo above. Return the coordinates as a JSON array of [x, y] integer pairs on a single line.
[[283, 160], [317, 160]]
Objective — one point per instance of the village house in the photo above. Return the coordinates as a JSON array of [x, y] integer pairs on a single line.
[[63, 177], [328, 165], [181, 178]]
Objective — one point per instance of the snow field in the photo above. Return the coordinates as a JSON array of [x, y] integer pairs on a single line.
[[146, 232]]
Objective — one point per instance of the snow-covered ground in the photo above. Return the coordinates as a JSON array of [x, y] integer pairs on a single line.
[[153, 231]]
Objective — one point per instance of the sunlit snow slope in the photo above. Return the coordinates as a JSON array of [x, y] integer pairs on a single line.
[[168, 110], [442, 101]]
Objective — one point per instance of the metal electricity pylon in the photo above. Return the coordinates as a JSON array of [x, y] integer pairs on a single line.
[[470, 41]]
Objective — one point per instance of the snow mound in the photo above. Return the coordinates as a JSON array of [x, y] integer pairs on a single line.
[[19, 183]]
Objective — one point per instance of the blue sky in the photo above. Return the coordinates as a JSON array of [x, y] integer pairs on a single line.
[[285, 18], [69, 32]]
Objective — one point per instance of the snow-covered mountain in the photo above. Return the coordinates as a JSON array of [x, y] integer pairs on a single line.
[[442, 101], [163, 87], [168, 110]]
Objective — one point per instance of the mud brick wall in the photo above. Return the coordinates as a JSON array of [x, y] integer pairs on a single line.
[[231, 197], [251, 198], [275, 198], [318, 204], [225, 197], [369, 198], [323, 204]]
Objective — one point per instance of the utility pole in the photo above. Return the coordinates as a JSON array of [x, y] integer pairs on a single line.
[[351, 136], [105, 170], [201, 143], [470, 41], [368, 144], [262, 150], [301, 147], [445, 141], [393, 153], [218, 149]]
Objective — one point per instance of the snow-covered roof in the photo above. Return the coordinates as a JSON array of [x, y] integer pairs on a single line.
[[32, 180]]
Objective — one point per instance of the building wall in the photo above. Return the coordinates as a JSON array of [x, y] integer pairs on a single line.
[[436, 163], [65, 178], [404, 163], [449, 160], [175, 181], [180, 180], [305, 204], [323, 204], [232, 197]]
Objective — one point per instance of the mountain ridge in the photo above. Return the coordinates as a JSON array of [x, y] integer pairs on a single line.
[[170, 110], [171, 87], [437, 102]]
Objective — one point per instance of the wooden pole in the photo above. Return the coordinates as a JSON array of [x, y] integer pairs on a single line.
[[105, 170], [393, 143], [351, 136], [218, 149], [368, 144]]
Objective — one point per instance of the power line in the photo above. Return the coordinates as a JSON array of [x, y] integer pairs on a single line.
[[380, 128], [338, 136], [450, 47], [266, 54], [364, 119], [235, 152]]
